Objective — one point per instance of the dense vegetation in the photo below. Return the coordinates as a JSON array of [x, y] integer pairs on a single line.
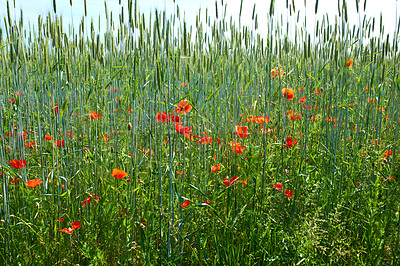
[[155, 142]]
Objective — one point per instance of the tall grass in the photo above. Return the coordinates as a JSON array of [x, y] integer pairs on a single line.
[[342, 168]]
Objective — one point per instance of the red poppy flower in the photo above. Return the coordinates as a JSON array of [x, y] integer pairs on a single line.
[[24, 134], [89, 200], [293, 116], [289, 193], [262, 119], [182, 130], [265, 131], [70, 134], [184, 107], [226, 182], [278, 186], [349, 63], [95, 115], [230, 182], [184, 84], [302, 100], [61, 219], [288, 93], [162, 117], [179, 172], [148, 151], [241, 132], [18, 163], [143, 224], [317, 92], [290, 114], [33, 183], [233, 179], [237, 147], [12, 101], [55, 109], [118, 174], [314, 118], [290, 143], [208, 202], [385, 155], [331, 119], [185, 203], [174, 118], [93, 196], [205, 140], [276, 73], [76, 225], [258, 119], [104, 137], [47, 137], [15, 180], [244, 182], [60, 143], [30, 144], [190, 137], [215, 168], [69, 231]]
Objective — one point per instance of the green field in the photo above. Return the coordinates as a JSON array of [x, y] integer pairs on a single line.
[[156, 142]]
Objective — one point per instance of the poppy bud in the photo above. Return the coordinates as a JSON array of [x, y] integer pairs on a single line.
[[129, 126]]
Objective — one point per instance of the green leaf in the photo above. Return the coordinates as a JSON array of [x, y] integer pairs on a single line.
[[237, 216], [64, 107]]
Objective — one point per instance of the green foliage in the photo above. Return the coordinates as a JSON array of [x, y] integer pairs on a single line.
[[316, 181]]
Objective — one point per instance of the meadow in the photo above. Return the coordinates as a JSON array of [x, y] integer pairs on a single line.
[[157, 142]]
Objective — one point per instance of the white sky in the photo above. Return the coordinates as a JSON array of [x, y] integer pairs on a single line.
[[32, 8]]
